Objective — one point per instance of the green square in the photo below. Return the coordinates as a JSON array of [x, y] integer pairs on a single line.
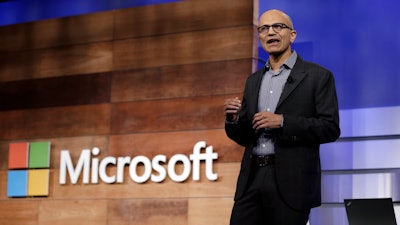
[[39, 155]]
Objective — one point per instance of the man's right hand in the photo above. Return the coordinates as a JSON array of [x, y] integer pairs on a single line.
[[231, 108]]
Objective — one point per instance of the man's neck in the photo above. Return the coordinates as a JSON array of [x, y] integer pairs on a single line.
[[276, 61]]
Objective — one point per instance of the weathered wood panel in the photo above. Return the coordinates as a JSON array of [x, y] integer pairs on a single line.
[[19, 212], [160, 211], [181, 17], [3, 186], [55, 122], [168, 115], [95, 27], [19, 65], [191, 80], [55, 62], [170, 143], [53, 92], [206, 211], [77, 59], [72, 212], [185, 48]]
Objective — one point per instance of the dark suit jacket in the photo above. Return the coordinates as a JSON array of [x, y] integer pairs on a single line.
[[310, 109]]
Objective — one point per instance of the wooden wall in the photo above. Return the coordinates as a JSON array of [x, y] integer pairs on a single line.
[[141, 81]]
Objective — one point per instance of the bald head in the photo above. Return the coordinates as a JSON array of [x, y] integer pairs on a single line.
[[276, 16]]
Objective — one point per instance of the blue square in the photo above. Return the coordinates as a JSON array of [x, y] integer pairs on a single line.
[[17, 183]]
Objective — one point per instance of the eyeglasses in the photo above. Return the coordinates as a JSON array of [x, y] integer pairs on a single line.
[[277, 27]]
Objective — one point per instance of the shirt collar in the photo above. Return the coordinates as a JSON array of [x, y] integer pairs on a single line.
[[289, 63]]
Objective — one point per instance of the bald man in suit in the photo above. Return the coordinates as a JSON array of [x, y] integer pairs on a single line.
[[288, 109]]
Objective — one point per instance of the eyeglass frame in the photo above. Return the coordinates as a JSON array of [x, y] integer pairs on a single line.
[[265, 28]]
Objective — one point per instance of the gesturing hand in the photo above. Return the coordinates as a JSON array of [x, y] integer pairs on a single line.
[[231, 108]]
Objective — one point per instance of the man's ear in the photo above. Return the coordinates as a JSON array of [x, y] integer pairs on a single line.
[[293, 36]]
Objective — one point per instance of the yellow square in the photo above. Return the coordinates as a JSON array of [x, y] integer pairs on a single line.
[[38, 182]]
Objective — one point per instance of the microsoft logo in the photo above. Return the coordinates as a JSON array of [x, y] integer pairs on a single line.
[[28, 169]]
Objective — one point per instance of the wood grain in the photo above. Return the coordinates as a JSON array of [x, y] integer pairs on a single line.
[[191, 80], [168, 115], [3, 185], [205, 211], [77, 59], [185, 48], [71, 212], [53, 92], [181, 17], [19, 212], [148, 211], [55, 122], [4, 145], [71, 30], [55, 62], [19, 65]]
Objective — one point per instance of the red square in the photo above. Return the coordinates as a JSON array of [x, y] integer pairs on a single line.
[[18, 155]]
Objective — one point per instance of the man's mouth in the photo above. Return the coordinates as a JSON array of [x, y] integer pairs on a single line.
[[272, 41]]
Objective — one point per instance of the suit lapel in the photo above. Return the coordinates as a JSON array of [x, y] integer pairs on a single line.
[[296, 76]]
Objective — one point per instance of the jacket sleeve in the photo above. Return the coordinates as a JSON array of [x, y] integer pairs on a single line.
[[242, 131]]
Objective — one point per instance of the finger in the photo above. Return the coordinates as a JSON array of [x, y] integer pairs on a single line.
[[257, 122]]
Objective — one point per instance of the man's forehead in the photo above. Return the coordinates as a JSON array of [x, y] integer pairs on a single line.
[[272, 17]]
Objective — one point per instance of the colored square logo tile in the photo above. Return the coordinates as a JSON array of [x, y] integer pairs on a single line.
[[39, 155], [18, 155], [38, 182], [17, 185]]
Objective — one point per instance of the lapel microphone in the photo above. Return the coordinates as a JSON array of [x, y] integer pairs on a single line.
[[289, 80]]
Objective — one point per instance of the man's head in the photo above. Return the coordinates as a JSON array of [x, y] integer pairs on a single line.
[[276, 33]]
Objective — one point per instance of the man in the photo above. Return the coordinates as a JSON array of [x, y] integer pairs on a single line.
[[288, 109]]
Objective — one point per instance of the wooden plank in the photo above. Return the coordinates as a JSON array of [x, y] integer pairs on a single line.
[[61, 61], [73, 30], [19, 65], [3, 182], [185, 48], [205, 211], [187, 16], [168, 115], [55, 122], [4, 153], [77, 59], [66, 212], [191, 80], [19, 211], [15, 37], [52, 92], [80, 29], [170, 143], [148, 211], [223, 187]]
